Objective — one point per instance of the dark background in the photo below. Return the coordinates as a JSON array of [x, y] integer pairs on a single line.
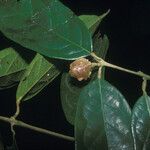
[[128, 28]]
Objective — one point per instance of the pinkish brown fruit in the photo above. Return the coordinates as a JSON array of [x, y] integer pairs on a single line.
[[81, 69]]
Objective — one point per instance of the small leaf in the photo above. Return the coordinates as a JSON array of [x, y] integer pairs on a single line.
[[101, 45], [141, 123], [93, 21], [102, 119], [47, 27], [38, 74], [12, 67]]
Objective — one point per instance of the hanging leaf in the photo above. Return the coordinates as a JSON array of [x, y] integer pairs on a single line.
[[12, 67], [47, 27], [102, 119], [141, 123], [13, 146], [93, 21], [38, 74], [70, 89]]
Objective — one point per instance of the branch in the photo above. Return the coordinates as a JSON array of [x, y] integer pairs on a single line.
[[102, 63], [15, 122]]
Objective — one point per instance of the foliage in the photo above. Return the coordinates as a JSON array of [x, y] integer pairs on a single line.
[[98, 111], [102, 113], [140, 123], [38, 26]]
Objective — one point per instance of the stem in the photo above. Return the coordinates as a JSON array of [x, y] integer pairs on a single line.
[[100, 72], [138, 73], [15, 122], [96, 57], [144, 85], [13, 118], [106, 64], [17, 109]]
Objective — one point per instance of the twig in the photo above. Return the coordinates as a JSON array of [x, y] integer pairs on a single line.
[[102, 63], [15, 122]]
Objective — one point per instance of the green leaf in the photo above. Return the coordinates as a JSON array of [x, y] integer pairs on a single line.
[[93, 21], [100, 45], [141, 123], [70, 89], [38, 74], [45, 26], [102, 118], [12, 67]]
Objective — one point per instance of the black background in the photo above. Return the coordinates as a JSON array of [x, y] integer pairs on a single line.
[[128, 29]]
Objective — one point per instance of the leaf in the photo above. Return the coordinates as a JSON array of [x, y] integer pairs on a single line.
[[13, 146], [47, 27], [101, 45], [38, 74], [70, 90], [12, 67], [102, 118], [93, 21], [141, 123]]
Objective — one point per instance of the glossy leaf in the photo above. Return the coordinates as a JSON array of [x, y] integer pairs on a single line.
[[38, 74], [70, 89], [93, 21], [102, 118], [141, 123], [12, 67], [47, 27]]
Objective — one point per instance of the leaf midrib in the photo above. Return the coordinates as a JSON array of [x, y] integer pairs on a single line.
[[63, 37], [102, 106], [36, 81]]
